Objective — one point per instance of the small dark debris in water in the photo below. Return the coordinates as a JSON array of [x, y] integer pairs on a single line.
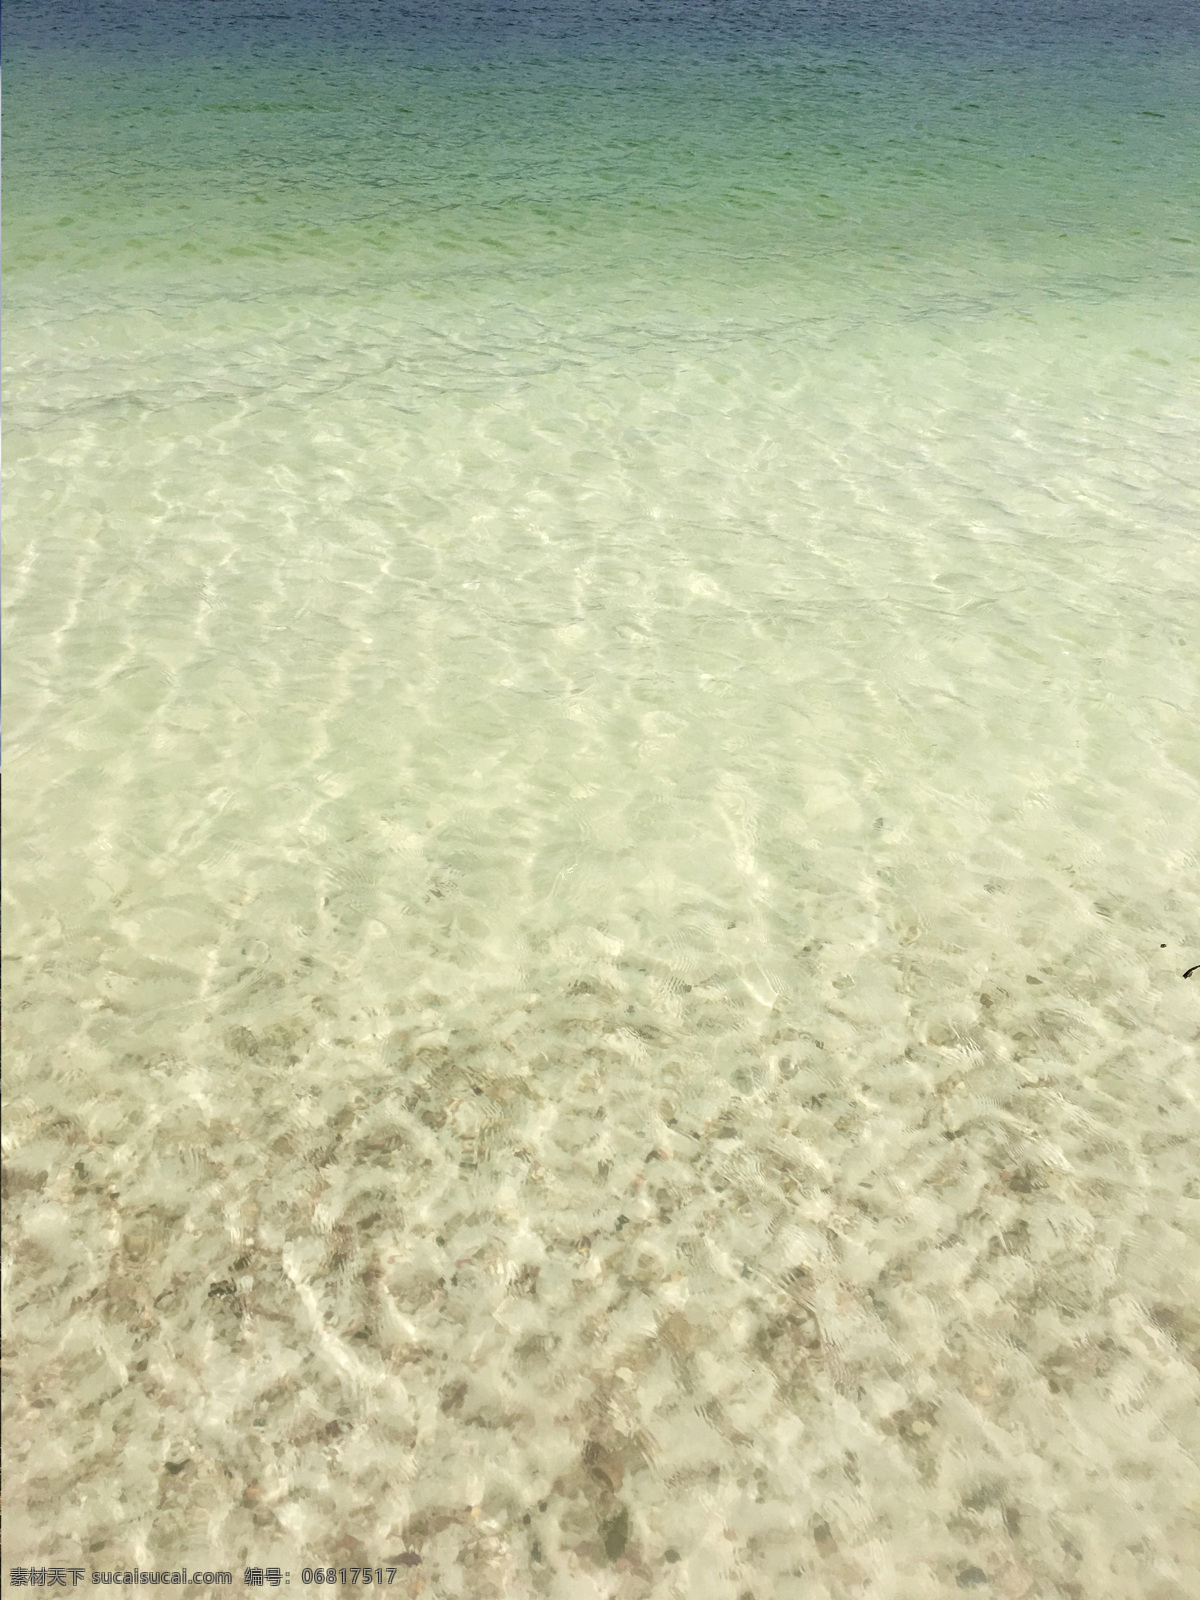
[[221, 1291], [1190, 970], [535, 1551], [453, 1398], [175, 1467], [603, 1465], [622, 1221], [477, 1089], [971, 1577], [1020, 1184], [616, 1535], [408, 1558], [672, 1555]]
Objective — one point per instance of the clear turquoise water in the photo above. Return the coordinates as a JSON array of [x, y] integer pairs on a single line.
[[603, 791]]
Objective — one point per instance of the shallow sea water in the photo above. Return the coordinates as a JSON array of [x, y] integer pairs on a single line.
[[603, 794]]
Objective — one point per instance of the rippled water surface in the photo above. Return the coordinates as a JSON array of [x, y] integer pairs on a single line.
[[603, 793]]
